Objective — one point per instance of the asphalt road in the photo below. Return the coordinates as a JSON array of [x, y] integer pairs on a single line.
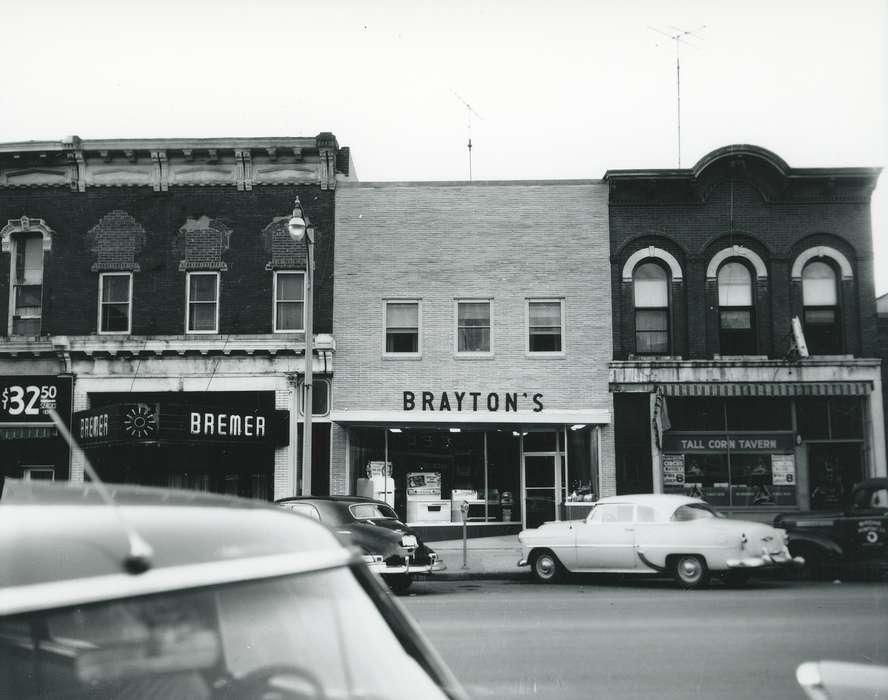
[[598, 637]]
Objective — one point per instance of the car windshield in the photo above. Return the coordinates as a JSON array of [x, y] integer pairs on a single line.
[[372, 511], [305, 636], [695, 511]]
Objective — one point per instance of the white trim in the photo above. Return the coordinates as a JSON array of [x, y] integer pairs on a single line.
[[652, 252], [737, 251], [822, 251], [275, 300], [597, 416], [468, 354], [129, 306], [402, 355], [188, 302], [543, 354]]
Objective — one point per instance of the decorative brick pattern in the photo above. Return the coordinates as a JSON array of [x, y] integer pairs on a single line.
[[202, 243], [115, 242], [286, 254]]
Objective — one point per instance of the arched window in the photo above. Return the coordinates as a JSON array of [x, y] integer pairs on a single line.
[[821, 301], [735, 310], [651, 293]]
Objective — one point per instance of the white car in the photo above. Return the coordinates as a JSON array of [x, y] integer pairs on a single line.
[[655, 534]]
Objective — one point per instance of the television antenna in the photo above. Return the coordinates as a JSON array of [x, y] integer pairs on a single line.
[[679, 36], [469, 112]]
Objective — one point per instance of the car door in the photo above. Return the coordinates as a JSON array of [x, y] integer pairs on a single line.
[[606, 539], [863, 531]]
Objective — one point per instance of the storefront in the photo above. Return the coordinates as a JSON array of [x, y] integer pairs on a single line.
[[30, 446], [222, 442]]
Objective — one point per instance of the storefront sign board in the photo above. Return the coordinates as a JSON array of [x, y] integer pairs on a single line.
[[28, 399], [746, 442], [472, 401]]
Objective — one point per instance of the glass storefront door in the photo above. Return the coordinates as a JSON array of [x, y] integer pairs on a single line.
[[545, 483]]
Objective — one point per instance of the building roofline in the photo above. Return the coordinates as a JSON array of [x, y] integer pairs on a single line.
[[468, 183]]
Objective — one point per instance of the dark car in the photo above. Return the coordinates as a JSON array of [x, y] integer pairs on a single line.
[[152, 593], [390, 547], [852, 540]]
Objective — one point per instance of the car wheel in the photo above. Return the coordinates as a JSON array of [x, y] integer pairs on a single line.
[[399, 583], [815, 567], [690, 571], [545, 566], [736, 578]]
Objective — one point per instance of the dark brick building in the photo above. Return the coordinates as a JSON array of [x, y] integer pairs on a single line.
[[712, 392], [152, 281]]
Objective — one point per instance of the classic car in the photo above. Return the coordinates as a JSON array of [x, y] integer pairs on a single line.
[[184, 595], [842, 680], [655, 534], [390, 548], [852, 540]]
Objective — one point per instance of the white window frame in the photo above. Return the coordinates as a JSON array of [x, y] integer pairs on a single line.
[[188, 276], [129, 306], [402, 355], [276, 301], [314, 408], [541, 353], [29, 470], [15, 239], [470, 354]]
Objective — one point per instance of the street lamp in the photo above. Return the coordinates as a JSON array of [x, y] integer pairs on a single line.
[[300, 229]]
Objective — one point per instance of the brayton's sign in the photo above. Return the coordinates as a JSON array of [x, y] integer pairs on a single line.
[[172, 422], [472, 401]]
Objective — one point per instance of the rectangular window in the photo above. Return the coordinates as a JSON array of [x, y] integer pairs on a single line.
[[545, 326], [474, 327], [289, 302], [652, 331], [822, 332], [27, 292], [115, 302], [203, 302], [737, 331], [402, 320]]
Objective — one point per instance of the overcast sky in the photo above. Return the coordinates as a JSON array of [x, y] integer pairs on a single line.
[[560, 89]]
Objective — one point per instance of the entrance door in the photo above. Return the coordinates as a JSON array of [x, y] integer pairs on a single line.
[[544, 486]]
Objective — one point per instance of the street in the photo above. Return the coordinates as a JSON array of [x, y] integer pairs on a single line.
[[605, 637]]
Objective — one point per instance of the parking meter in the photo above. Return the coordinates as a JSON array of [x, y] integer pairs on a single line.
[[464, 510]]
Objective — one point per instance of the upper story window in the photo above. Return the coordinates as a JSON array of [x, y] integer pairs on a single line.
[[545, 326], [820, 297], [650, 289], [27, 284], [402, 322], [115, 302], [474, 327], [735, 310], [203, 302], [289, 302]]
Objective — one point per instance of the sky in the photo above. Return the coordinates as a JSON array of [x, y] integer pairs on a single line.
[[558, 90]]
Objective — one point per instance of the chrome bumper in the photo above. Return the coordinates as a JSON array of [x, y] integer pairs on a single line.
[[377, 565], [523, 562], [767, 559]]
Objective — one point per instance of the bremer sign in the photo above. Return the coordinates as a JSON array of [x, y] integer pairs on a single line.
[[472, 401], [140, 423]]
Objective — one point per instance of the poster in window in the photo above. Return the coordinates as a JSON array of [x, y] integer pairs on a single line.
[[783, 469], [673, 470]]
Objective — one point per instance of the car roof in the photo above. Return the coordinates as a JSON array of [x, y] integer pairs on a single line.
[[348, 500], [54, 535], [664, 504]]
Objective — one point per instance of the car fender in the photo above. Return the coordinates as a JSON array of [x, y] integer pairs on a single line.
[[826, 545]]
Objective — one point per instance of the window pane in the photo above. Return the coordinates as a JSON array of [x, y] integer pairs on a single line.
[[846, 418], [651, 320], [29, 259], [115, 288], [290, 287], [474, 313], [759, 413], [402, 341], [752, 480], [812, 417], [289, 316], [545, 313], [819, 285], [545, 340], [650, 286], [696, 413], [738, 320], [202, 317], [203, 287], [474, 340], [734, 285], [28, 296], [115, 318], [399, 315], [820, 317], [26, 326], [651, 343]]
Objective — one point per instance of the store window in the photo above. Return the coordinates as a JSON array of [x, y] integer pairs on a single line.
[[735, 310], [650, 289], [545, 326], [474, 327], [38, 473], [27, 284], [320, 398], [830, 418], [823, 331], [203, 302], [402, 323], [289, 302], [115, 302]]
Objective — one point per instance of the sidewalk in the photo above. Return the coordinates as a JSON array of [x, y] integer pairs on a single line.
[[486, 558]]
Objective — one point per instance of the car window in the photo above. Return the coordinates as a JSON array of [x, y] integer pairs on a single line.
[[875, 499], [303, 509], [695, 511], [645, 514], [371, 511], [310, 631], [612, 513]]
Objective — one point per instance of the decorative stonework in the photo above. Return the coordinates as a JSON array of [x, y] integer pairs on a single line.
[[652, 252], [737, 251], [201, 243], [286, 254], [115, 241], [822, 251], [25, 225]]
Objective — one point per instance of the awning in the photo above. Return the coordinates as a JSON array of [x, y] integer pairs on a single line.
[[767, 389], [594, 416], [30, 432]]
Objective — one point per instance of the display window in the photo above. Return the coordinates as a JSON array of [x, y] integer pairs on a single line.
[[834, 469]]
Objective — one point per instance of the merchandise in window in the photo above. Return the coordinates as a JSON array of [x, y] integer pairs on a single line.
[[544, 326], [114, 303], [402, 327], [473, 327]]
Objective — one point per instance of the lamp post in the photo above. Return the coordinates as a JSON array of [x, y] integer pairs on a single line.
[[300, 229]]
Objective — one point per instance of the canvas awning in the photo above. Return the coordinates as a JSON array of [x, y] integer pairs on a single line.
[[767, 389]]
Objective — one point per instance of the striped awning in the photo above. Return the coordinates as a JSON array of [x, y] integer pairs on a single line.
[[767, 389], [28, 432]]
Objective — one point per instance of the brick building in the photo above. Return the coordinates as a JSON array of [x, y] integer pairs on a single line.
[[473, 336], [712, 393], [150, 287]]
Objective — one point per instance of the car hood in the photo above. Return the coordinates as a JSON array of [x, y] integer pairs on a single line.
[[824, 518]]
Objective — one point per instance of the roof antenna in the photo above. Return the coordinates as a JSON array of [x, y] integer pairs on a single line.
[[679, 36], [138, 560], [469, 113]]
